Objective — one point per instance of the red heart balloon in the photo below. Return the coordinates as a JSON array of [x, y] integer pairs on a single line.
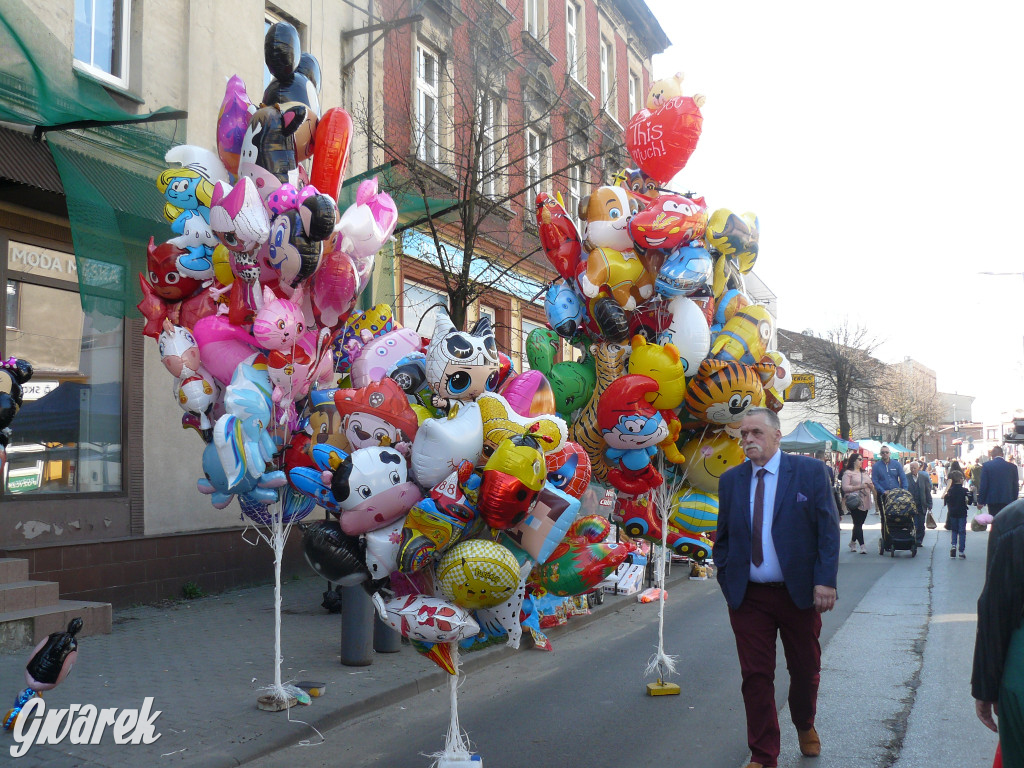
[[662, 141]]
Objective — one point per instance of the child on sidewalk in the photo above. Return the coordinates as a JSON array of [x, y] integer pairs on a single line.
[[957, 499]]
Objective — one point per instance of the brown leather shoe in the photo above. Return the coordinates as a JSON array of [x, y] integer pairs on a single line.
[[810, 744]]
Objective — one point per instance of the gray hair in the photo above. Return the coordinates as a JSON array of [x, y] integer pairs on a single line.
[[768, 415], [914, 465]]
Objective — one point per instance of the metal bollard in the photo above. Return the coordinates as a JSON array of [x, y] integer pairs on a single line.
[[385, 639], [357, 616]]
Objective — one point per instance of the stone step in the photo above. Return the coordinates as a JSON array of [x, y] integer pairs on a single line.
[[13, 569], [28, 626], [19, 595]]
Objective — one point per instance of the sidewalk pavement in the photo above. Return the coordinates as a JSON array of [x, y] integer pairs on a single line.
[[204, 662]]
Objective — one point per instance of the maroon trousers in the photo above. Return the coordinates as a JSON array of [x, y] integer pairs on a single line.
[[768, 611]]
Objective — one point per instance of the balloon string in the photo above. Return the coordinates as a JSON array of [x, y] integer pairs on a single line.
[[456, 745]]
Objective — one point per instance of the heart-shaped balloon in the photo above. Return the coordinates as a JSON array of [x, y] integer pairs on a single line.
[[661, 142]]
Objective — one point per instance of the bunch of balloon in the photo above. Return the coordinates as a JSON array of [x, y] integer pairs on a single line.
[[249, 302]]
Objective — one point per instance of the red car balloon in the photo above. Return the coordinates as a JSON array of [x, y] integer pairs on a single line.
[[661, 142]]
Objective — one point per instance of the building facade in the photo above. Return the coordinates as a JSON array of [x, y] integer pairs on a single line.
[[100, 485]]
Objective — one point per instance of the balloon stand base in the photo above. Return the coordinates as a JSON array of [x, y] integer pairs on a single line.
[[661, 688], [271, 703], [475, 761]]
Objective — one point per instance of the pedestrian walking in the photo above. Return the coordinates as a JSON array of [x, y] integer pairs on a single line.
[[998, 482], [957, 499], [857, 495], [920, 488], [997, 681], [777, 553], [887, 475]]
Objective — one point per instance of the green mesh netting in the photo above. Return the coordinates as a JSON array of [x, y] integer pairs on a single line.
[[108, 166]]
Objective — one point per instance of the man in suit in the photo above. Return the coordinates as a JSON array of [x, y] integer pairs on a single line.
[[920, 487], [777, 554], [999, 484]]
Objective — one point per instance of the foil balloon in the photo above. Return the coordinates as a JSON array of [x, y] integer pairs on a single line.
[[380, 354], [441, 445], [708, 456], [222, 346], [334, 290], [688, 332], [729, 303], [572, 382], [693, 510], [294, 507], [582, 560], [296, 81], [529, 394], [461, 364], [333, 554], [382, 550], [372, 489], [745, 337], [665, 366], [513, 476], [775, 389], [564, 310], [569, 469], [685, 271], [558, 236], [232, 122], [501, 422], [546, 524], [668, 223], [735, 237], [376, 415], [632, 428], [14, 374], [162, 270], [611, 364], [478, 574], [723, 392], [366, 225], [331, 151], [638, 519], [437, 522], [661, 141], [427, 619], [503, 619]]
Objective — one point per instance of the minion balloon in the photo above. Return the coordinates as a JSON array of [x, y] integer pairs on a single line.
[[744, 338]]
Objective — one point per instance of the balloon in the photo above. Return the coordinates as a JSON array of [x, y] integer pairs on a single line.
[[688, 332], [441, 445], [775, 389], [162, 270], [268, 155], [564, 310], [501, 422], [632, 428], [238, 217], [296, 238], [670, 222], [686, 271], [513, 476], [664, 365], [735, 237], [428, 619], [582, 559], [294, 507], [546, 524], [729, 303], [708, 457], [694, 510], [478, 574], [366, 226], [611, 363], [723, 392], [436, 523], [529, 394], [330, 154], [296, 81], [324, 420], [503, 619], [372, 489], [745, 338], [382, 550], [333, 554], [222, 346], [639, 519], [558, 236], [461, 364], [232, 122], [569, 469], [439, 653], [257, 491], [661, 141], [377, 414], [378, 355], [571, 382]]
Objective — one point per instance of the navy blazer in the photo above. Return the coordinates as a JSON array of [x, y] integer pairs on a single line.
[[805, 530], [998, 482]]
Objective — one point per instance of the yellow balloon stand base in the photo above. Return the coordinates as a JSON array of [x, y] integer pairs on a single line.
[[661, 688]]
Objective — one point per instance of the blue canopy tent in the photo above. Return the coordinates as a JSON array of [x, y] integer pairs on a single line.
[[803, 440]]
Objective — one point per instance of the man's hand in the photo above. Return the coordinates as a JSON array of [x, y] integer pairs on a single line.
[[985, 710], [824, 598]]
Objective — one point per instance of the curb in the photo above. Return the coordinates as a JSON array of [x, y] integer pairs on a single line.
[[425, 682]]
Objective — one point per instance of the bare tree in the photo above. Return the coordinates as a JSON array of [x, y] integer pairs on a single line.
[[467, 157], [912, 402], [845, 371]]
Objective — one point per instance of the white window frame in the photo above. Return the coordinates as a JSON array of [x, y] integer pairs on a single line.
[[490, 110], [607, 68], [414, 312], [634, 93], [122, 44], [428, 92], [575, 189], [572, 39], [524, 333], [534, 167], [531, 17]]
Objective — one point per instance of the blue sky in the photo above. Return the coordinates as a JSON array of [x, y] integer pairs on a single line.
[[880, 145]]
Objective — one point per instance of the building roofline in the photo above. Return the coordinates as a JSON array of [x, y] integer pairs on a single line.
[[643, 19]]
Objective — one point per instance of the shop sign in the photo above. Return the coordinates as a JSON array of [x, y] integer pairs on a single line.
[[33, 390], [36, 260], [25, 479], [801, 389]]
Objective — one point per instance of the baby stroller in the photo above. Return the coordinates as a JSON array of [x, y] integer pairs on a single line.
[[898, 531]]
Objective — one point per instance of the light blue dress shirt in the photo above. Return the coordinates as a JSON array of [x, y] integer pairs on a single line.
[[769, 570]]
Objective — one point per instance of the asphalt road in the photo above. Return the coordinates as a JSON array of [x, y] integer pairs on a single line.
[[584, 705]]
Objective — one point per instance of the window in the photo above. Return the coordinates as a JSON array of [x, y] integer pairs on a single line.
[[67, 436], [572, 17], [418, 307], [490, 109], [531, 11], [427, 74], [101, 38], [607, 67], [534, 167], [575, 191], [634, 94], [528, 328]]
